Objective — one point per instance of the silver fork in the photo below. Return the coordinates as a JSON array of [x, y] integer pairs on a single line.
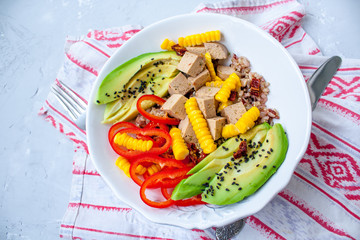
[[75, 106]]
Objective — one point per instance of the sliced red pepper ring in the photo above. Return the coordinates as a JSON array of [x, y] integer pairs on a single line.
[[157, 125], [156, 150], [195, 200], [151, 117], [162, 162], [117, 127], [168, 178]]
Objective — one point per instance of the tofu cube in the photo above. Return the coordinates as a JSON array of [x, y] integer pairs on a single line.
[[197, 50], [233, 112], [175, 106], [191, 64], [207, 92], [179, 85], [224, 72], [207, 106], [200, 80], [215, 125], [187, 131], [216, 50]]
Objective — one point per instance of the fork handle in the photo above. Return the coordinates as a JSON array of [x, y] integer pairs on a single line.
[[81, 121]]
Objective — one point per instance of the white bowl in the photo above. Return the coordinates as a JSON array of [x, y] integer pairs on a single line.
[[288, 94]]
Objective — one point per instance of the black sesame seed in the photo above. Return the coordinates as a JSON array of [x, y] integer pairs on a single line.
[[267, 140], [217, 187], [97, 101], [209, 178], [152, 58], [274, 166], [264, 166], [227, 189], [271, 150], [257, 165]]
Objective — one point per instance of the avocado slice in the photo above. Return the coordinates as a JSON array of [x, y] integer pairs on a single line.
[[124, 109], [234, 184], [116, 81], [205, 171]]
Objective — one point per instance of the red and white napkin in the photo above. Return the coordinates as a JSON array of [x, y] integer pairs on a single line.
[[322, 200]]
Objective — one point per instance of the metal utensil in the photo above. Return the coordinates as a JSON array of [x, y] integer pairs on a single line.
[[71, 102], [321, 78], [316, 86]]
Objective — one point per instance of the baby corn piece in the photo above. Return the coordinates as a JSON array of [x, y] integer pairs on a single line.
[[132, 143], [200, 38], [210, 67], [248, 119], [200, 126], [230, 130], [153, 169], [123, 164], [140, 169], [229, 84], [179, 147], [167, 44]]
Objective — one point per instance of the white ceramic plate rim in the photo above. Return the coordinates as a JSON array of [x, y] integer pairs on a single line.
[[230, 216]]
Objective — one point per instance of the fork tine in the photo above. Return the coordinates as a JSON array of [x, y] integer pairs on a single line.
[[66, 104], [70, 100], [73, 95]]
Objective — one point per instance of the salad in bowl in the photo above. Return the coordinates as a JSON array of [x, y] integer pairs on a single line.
[[189, 126]]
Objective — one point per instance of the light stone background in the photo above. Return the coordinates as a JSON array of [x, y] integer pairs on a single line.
[[35, 159]]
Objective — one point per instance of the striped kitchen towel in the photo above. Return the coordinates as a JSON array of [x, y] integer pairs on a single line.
[[322, 200]]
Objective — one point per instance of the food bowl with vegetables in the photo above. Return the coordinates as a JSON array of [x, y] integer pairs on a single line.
[[199, 117]]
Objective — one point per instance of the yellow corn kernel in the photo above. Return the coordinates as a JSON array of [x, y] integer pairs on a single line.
[[229, 84], [179, 147], [124, 165], [224, 105], [132, 143], [230, 130], [153, 169], [140, 169], [217, 84], [247, 120], [210, 67], [200, 126], [200, 38], [167, 44]]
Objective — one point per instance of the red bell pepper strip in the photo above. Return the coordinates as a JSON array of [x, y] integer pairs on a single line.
[[157, 119], [162, 162], [126, 153], [168, 178], [117, 127]]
